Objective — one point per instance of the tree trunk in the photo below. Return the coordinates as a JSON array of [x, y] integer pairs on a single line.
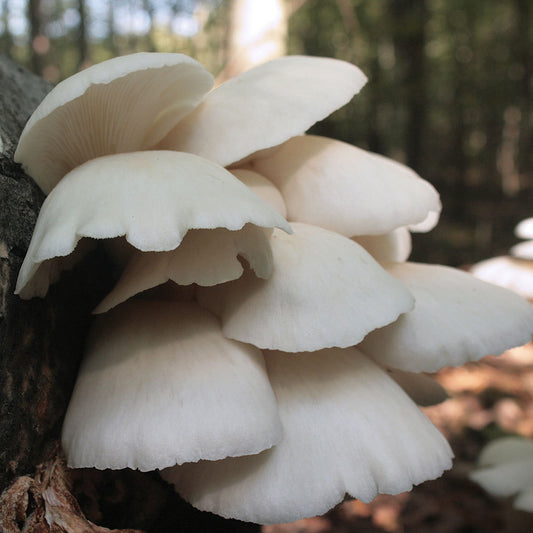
[[525, 57], [257, 33], [37, 42], [111, 38], [83, 38], [41, 342], [410, 17]]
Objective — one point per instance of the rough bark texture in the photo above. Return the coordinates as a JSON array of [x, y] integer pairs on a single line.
[[41, 343], [34, 363]]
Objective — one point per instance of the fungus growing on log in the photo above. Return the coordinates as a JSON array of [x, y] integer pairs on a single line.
[[317, 335]]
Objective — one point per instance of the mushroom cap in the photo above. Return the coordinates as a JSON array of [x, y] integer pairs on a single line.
[[509, 272], [347, 428], [159, 385], [523, 250], [456, 318], [125, 104], [505, 479], [392, 247], [506, 450], [427, 224], [265, 106], [325, 290], [263, 187], [506, 468], [204, 257], [524, 229], [340, 187], [152, 197]]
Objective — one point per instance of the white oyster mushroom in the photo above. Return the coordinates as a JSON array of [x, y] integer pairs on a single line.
[[457, 318], [125, 104], [152, 198], [263, 187], [427, 224], [204, 257], [265, 106], [166, 384], [159, 385], [392, 247], [505, 468], [524, 229], [523, 250], [347, 428], [509, 272], [343, 188], [325, 291]]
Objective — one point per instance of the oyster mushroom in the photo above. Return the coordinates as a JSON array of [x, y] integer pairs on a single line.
[[152, 198], [505, 468], [90, 114], [204, 257], [325, 290], [337, 408], [312, 296], [159, 385], [265, 106], [457, 318], [337, 186]]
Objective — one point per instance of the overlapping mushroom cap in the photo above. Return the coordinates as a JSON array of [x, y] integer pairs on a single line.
[[151, 198], [122, 105], [238, 386]]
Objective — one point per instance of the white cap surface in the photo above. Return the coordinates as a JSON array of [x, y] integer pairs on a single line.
[[124, 104], [152, 198], [160, 385], [506, 468], [456, 318], [325, 290], [204, 257], [347, 428], [265, 106], [509, 272], [392, 247], [523, 250], [343, 188], [263, 187], [524, 229]]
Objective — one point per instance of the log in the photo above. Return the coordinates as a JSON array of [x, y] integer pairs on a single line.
[[41, 344]]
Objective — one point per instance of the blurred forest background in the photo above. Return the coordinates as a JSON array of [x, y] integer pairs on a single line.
[[449, 89]]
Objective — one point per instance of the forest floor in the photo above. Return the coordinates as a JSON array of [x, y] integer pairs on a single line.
[[488, 399]]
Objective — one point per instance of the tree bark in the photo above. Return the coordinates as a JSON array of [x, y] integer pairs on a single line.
[[41, 343]]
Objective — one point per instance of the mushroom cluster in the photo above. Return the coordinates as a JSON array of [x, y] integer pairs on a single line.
[[505, 468], [265, 369]]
